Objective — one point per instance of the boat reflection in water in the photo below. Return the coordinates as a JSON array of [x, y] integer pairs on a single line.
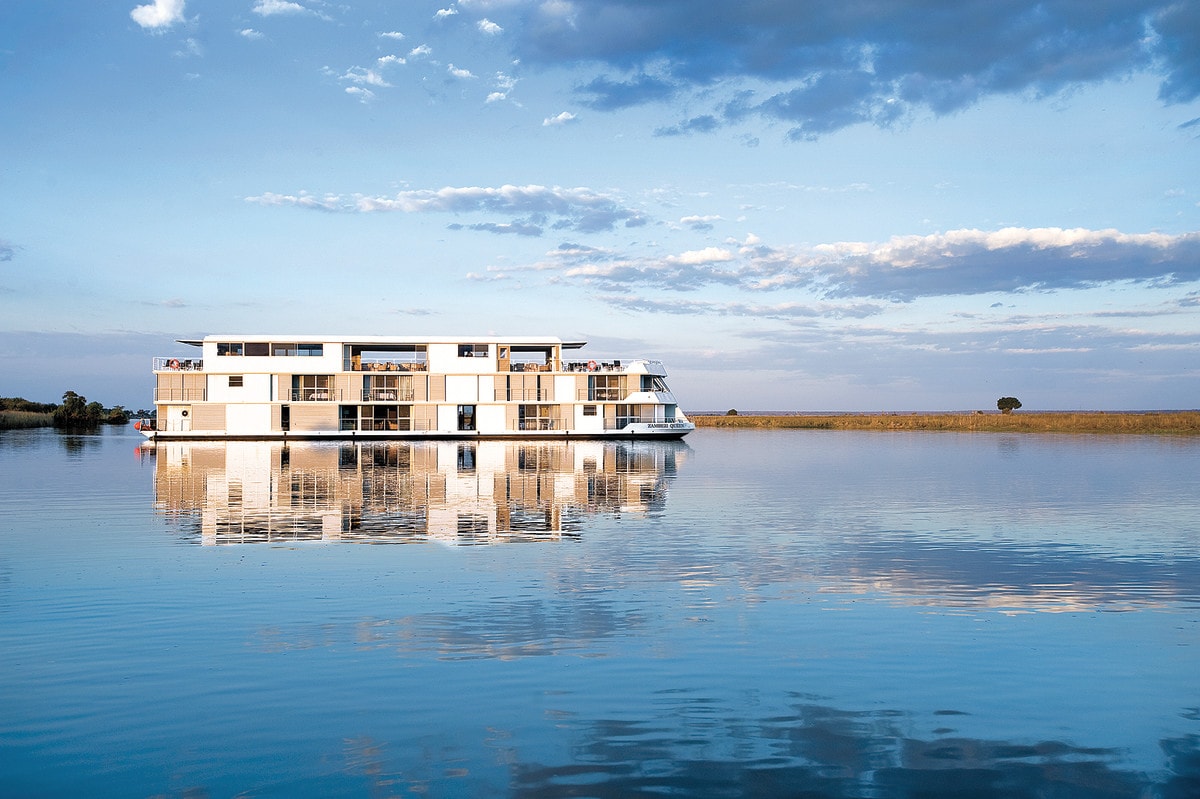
[[455, 492]]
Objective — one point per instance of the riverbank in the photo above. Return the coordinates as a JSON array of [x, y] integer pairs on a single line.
[[19, 420], [1155, 422]]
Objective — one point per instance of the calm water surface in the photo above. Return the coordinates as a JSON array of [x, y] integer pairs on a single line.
[[768, 614]]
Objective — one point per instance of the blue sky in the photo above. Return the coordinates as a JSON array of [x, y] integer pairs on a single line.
[[846, 205]]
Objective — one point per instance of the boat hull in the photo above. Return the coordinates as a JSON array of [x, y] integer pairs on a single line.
[[659, 431]]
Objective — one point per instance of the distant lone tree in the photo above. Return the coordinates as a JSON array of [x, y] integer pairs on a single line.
[[731, 412], [1008, 404]]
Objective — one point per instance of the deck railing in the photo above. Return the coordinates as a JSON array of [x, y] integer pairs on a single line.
[[621, 422], [180, 395], [172, 364], [316, 395], [526, 395], [388, 395], [388, 366], [541, 423]]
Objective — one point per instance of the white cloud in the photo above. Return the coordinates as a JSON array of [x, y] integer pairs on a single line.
[[390, 59], [566, 117], [159, 14], [579, 209], [251, 34], [489, 27], [419, 51], [708, 255], [268, 8], [397, 35], [364, 77], [445, 12], [459, 73], [364, 95], [496, 97]]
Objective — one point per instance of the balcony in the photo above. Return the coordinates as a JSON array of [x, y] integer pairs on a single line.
[[600, 395], [388, 395], [180, 395], [540, 423], [171, 364], [621, 422], [593, 366], [389, 366], [315, 395]]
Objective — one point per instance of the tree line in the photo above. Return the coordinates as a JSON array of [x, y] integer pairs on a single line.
[[75, 412]]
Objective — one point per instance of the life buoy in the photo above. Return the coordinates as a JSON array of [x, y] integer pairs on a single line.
[[137, 425], [591, 366], [174, 363]]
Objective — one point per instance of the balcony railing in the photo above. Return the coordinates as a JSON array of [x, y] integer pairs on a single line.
[[315, 395], [593, 366], [621, 422], [388, 425], [170, 364], [600, 395], [526, 395], [180, 395], [390, 366], [388, 395], [540, 423]]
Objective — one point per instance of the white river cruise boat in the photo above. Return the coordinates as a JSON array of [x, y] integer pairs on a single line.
[[381, 387]]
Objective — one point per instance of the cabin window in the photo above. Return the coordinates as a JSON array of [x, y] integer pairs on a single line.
[[236, 381], [589, 410], [229, 348], [257, 348], [313, 350], [472, 350], [310, 388], [283, 349]]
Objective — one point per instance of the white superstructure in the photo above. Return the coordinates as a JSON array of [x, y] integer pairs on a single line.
[[260, 386]]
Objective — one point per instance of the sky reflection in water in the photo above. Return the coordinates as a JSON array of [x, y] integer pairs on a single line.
[[746, 614]]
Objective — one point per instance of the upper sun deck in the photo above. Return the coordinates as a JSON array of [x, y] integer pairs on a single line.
[[441, 354]]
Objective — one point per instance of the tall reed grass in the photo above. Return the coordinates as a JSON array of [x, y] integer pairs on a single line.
[[1172, 422], [17, 420]]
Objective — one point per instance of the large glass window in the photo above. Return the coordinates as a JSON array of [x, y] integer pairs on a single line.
[[472, 350], [311, 388], [257, 348], [229, 348], [466, 417]]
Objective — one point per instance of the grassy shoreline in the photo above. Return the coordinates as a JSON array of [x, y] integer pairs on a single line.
[[1158, 422], [23, 420]]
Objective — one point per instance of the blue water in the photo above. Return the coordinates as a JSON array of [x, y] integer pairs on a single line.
[[788, 613]]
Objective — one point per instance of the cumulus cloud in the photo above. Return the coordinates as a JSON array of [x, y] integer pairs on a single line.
[[578, 209], [250, 33], [271, 8], [159, 14], [364, 95], [906, 268], [490, 28], [361, 76], [824, 65], [397, 35], [700, 223], [565, 118], [442, 13], [786, 311], [459, 73]]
